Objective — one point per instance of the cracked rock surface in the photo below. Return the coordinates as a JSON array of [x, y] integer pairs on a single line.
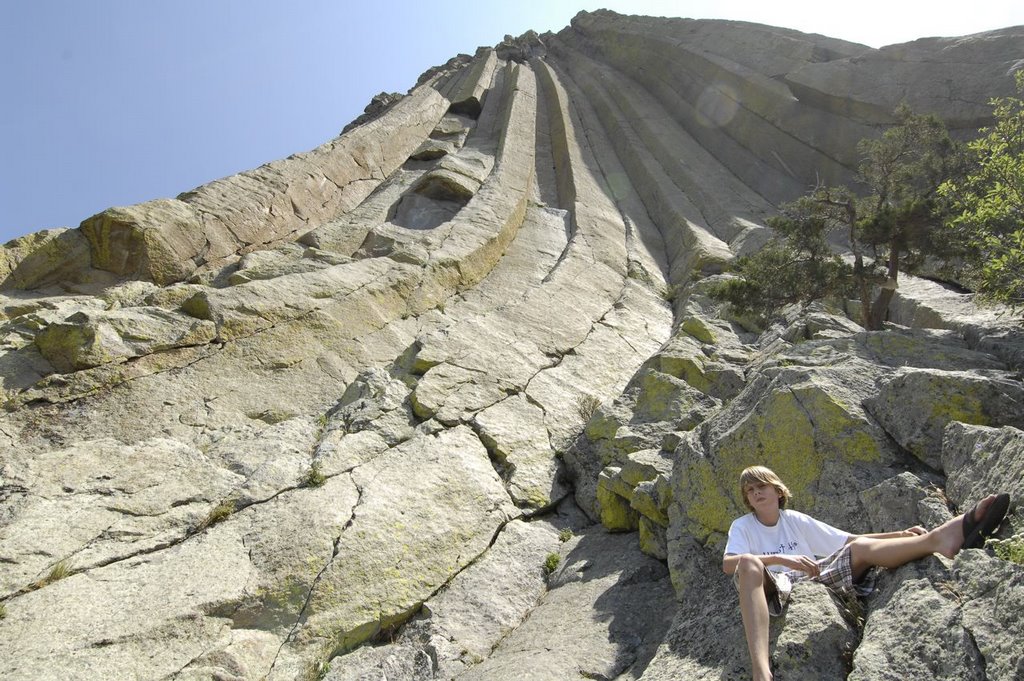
[[445, 397]]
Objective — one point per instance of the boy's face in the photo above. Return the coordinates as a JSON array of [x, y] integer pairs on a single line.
[[761, 496]]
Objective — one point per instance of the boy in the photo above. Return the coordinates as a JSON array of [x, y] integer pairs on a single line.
[[772, 546]]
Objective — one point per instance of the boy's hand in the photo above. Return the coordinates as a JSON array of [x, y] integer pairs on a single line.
[[802, 563]]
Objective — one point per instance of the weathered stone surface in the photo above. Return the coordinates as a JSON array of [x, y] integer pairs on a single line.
[[484, 603], [993, 594], [857, 79], [904, 501], [915, 406], [258, 567], [816, 639], [915, 628], [922, 303], [286, 259], [513, 431], [152, 240], [403, 542], [89, 339], [379, 103], [604, 614], [980, 460], [344, 408], [653, 404], [377, 402], [100, 501], [45, 258], [143, 617]]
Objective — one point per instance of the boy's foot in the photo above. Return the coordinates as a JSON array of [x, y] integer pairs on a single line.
[[981, 522], [951, 535]]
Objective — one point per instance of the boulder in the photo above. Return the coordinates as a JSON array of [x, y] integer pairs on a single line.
[[152, 240], [930, 619], [904, 501], [46, 258], [89, 339], [982, 460], [915, 406]]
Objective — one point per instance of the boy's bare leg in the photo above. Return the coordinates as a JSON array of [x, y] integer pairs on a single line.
[[754, 608], [946, 539]]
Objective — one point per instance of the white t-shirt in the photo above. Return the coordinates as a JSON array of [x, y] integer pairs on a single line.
[[796, 534]]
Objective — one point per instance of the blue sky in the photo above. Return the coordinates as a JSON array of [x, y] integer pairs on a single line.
[[113, 102]]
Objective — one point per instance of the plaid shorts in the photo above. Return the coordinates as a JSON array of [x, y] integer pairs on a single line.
[[836, 573]]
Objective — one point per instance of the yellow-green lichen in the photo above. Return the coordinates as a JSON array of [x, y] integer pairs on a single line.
[[960, 407], [660, 396], [706, 505], [693, 372], [699, 329], [535, 496], [836, 430], [615, 512], [792, 432], [652, 539]]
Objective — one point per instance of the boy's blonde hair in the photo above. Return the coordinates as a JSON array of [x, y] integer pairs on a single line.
[[763, 474]]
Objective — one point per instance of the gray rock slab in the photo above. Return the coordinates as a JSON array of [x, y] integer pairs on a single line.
[[994, 329], [915, 406], [100, 501], [982, 461], [143, 617], [221, 600], [904, 501], [993, 593], [914, 628], [404, 542], [88, 339], [483, 604], [606, 611], [515, 433]]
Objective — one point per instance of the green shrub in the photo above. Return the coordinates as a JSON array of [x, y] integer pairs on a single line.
[[586, 405], [58, 572], [315, 476], [219, 513], [3, 611], [321, 670], [551, 563], [565, 535], [1011, 549]]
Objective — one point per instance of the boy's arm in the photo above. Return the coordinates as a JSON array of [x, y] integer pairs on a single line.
[[732, 560]]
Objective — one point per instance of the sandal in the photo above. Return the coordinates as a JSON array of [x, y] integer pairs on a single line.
[[977, 530]]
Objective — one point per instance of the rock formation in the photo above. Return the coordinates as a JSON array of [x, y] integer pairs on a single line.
[[445, 397]]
